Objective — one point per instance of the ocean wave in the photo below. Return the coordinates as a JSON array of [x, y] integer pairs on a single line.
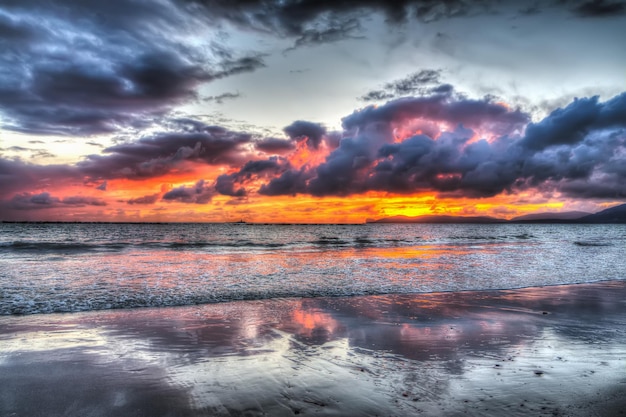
[[333, 241], [71, 269], [18, 304], [519, 236], [74, 304], [118, 246], [59, 246], [592, 243]]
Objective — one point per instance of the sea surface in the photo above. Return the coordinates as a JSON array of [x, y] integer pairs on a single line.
[[46, 268]]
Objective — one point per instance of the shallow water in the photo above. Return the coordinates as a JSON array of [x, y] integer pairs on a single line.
[[551, 351], [48, 268]]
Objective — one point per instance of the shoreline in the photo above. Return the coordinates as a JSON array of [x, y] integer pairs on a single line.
[[551, 350], [306, 297]]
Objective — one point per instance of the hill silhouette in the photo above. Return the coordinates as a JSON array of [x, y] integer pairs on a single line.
[[615, 214]]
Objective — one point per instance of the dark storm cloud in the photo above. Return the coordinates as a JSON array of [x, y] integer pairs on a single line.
[[312, 22], [27, 201], [290, 182], [157, 155], [442, 106], [579, 150], [293, 17], [607, 187], [571, 124], [227, 185], [591, 168], [73, 67], [140, 70], [16, 175], [261, 166], [232, 184], [448, 164], [275, 145], [200, 193], [300, 129], [600, 8]]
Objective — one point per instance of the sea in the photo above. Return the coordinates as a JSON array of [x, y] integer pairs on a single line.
[[73, 267]]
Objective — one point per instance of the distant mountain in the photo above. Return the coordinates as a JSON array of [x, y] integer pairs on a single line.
[[437, 219], [611, 215], [550, 216]]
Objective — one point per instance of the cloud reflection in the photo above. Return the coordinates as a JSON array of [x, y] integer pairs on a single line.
[[375, 355]]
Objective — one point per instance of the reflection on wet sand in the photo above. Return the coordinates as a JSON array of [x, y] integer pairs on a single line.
[[543, 351]]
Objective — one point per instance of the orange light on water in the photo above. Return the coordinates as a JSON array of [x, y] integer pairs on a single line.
[[309, 321]]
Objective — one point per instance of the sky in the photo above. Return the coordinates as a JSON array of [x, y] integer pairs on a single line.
[[309, 111]]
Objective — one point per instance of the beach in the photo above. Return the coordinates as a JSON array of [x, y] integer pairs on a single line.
[[553, 350]]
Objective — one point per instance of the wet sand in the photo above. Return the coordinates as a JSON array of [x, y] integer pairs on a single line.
[[553, 351]]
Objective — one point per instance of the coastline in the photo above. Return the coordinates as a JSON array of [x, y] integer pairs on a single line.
[[558, 350]]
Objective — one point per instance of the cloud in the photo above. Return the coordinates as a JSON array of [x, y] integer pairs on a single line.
[[579, 151], [600, 8], [219, 99], [147, 199], [156, 155], [311, 132], [240, 65], [225, 185], [200, 193], [34, 153], [18, 149], [231, 184], [149, 59], [449, 164], [17, 175], [414, 81], [442, 143], [333, 31], [275, 145], [144, 66], [294, 18], [571, 124], [377, 95], [422, 82], [44, 200], [442, 106], [318, 22], [290, 182], [83, 201]]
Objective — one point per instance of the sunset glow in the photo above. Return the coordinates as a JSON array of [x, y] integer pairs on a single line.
[[198, 112]]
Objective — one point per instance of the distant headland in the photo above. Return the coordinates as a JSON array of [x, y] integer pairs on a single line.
[[611, 215]]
